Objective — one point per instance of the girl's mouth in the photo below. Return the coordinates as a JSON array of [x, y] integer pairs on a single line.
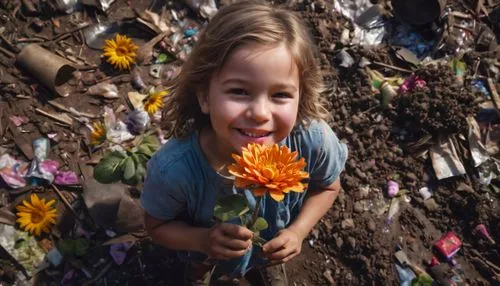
[[254, 133]]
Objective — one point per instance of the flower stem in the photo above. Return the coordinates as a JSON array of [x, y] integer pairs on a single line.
[[255, 214]]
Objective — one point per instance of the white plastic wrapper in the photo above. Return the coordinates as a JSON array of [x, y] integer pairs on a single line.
[[369, 26]]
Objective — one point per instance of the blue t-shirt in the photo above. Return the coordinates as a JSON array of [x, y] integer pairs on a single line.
[[181, 185]]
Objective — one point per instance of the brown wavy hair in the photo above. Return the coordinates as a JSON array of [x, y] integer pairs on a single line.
[[235, 25]]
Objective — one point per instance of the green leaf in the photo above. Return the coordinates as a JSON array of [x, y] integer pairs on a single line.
[[230, 206], [260, 224], [66, 247], [161, 59], [81, 246], [128, 168], [152, 141], [108, 169], [145, 149]]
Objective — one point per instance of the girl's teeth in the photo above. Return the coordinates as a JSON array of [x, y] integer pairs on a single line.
[[253, 134]]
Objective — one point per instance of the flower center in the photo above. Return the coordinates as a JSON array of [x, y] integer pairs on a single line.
[[121, 51], [36, 216]]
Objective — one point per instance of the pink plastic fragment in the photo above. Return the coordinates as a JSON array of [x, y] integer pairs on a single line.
[[392, 189], [118, 252], [410, 83], [19, 120], [482, 231], [13, 171], [49, 166], [66, 178]]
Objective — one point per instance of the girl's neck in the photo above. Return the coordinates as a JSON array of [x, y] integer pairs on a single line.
[[217, 159]]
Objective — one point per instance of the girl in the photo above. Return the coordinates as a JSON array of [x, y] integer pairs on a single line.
[[253, 77]]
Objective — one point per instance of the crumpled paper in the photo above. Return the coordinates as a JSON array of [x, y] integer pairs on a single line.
[[445, 160]]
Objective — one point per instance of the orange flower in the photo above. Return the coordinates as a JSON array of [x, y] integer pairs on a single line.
[[270, 169]]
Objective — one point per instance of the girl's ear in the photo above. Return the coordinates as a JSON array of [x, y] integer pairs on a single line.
[[203, 101]]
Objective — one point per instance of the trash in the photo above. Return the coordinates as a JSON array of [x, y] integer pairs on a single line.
[[137, 121], [116, 130], [118, 252], [206, 8], [369, 26], [481, 231], [411, 83], [408, 37], [480, 86], [145, 52], [477, 149], [393, 210], [445, 160], [403, 260], [13, 171], [19, 120], [66, 6], [155, 71], [448, 245], [61, 117], [460, 69], [66, 178], [418, 13], [405, 275], [54, 257], [50, 69], [22, 247], [392, 188], [425, 193], [137, 99], [104, 89], [345, 59], [103, 5]]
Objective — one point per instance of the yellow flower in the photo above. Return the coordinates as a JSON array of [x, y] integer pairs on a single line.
[[97, 134], [271, 169], [36, 216], [154, 102], [120, 52]]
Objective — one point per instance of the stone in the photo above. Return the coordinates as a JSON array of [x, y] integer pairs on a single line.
[[348, 223]]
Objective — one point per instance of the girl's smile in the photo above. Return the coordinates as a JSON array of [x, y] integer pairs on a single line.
[[254, 97]]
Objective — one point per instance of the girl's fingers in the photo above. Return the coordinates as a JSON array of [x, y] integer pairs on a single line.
[[236, 231], [221, 252], [275, 244], [285, 254], [235, 244]]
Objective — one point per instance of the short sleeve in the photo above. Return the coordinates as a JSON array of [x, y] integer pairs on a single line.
[[331, 158], [163, 196]]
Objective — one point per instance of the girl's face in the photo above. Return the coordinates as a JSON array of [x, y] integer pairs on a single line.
[[253, 98]]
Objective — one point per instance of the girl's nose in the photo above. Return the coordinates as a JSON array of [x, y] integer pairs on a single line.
[[259, 109]]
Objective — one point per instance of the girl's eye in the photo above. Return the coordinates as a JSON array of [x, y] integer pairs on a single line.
[[238, 91], [282, 95]]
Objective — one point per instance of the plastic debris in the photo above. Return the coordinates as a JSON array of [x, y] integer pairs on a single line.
[[405, 275], [23, 247], [445, 160], [206, 8], [104, 89], [103, 5], [480, 86], [137, 121], [480, 230], [369, 26], [66, 178], [425, 193], [13, 171], [119, 252], [345, 59], [448, 245], [19, 120], [477, 149], [116, 130], [54, 257], [406, 36], [411, 83]]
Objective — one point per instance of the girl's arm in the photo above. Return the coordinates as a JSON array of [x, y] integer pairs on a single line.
[[222, 241], [287, 244]]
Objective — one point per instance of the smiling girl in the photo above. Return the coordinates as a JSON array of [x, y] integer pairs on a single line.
[[253, 77]]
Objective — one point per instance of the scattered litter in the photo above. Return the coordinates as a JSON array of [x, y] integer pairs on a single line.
[[481, 231], [448, 245], [445, 160], [119, 252], [104, 89]]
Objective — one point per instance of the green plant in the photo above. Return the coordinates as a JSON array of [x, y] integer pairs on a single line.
[[128, 166]]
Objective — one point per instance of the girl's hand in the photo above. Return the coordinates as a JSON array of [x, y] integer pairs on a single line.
[[225, 241], [285, 246]]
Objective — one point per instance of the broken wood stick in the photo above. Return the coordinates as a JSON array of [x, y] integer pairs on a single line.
[[63, 118]]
